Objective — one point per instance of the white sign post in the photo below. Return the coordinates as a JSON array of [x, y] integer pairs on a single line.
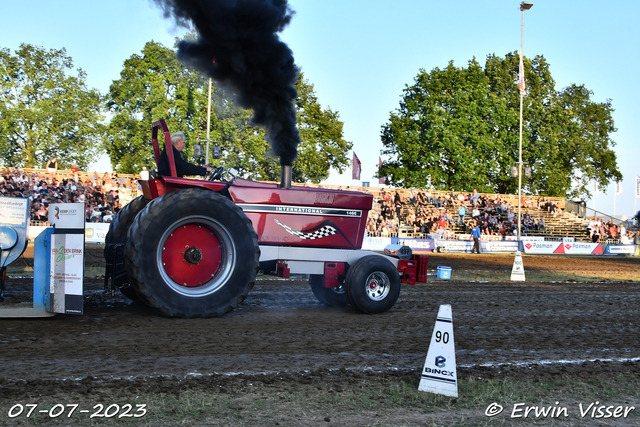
[[67, 257], [439, 372]]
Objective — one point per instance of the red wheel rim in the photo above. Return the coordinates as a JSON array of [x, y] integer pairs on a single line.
[[176, 262]]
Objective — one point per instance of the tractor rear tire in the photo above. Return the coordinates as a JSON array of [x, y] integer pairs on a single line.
[[118, 234], [372, 285], [192, 253], [328, 296]]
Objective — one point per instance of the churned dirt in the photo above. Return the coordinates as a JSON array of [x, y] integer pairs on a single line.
[[282, 331]]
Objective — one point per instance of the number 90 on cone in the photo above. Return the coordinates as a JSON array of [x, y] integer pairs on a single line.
[[439, 373]]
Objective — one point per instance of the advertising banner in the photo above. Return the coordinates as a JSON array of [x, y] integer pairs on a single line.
[[541, 247], [621, 250], [14, 211], [456, 245], [483, 237], [67, 273], [503, 246], [568, 248], [526, 238], [67, 215], [369, 243], [578, 248], [95, 232], [67, 257], [416, 245]]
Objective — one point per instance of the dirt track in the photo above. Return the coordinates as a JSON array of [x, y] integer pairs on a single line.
[[282, 328]]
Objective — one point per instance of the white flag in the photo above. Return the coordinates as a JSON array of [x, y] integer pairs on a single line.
[[637, 185], [618, 188], [596, 189]]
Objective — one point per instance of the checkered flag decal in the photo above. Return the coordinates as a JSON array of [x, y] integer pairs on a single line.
[[312, 234]]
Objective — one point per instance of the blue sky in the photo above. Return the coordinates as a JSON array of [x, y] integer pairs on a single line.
[[360, 54]]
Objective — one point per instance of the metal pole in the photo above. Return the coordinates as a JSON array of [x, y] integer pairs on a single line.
[[520, 145], [208, 123]]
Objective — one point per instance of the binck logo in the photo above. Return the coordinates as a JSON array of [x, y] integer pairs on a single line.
[[439, 372], [440, 362]]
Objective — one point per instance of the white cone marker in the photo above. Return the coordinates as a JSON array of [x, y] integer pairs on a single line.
[[439, 372], [517, 273]]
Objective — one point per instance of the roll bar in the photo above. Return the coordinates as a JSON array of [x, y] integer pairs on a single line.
[[167, 143]]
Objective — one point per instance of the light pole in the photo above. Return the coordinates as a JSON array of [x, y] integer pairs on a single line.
[[208, 123], [525, 5]]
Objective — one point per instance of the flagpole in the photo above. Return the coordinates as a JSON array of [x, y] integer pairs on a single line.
[[206, 156], [525, 5]]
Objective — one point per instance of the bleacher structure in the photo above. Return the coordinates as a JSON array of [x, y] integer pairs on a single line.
[[560, 224]]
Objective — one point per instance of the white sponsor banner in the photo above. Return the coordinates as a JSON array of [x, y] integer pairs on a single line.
[[67, 215], [483, 237], [503, 246], [621, 249], [425, 244], [67, 271], [526, 238], [577, 248], [455, 245], [485, 245], [369, 243], [541, 247], [95, 232], [14, 210]]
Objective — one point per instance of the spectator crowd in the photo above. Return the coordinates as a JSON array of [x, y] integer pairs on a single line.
[[423, 213], [100, 193]]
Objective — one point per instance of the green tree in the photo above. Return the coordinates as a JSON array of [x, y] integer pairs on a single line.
[[154, 85], [46, 110], [458, 128]]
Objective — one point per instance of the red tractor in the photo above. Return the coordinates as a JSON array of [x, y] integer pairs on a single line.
[[193, 248]]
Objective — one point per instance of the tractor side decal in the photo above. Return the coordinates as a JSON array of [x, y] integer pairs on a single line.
[[324, 229], [301, 210]]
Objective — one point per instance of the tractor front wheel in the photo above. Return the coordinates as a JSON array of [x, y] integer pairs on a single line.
[[372, 285]]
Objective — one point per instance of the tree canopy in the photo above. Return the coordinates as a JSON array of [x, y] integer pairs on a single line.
[[458, 128], [46, 110], [154, 85]]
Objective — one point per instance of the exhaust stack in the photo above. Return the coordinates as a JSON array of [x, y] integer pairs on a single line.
[[285, 176]]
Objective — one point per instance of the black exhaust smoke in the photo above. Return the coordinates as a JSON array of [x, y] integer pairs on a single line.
[[239, 47]]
